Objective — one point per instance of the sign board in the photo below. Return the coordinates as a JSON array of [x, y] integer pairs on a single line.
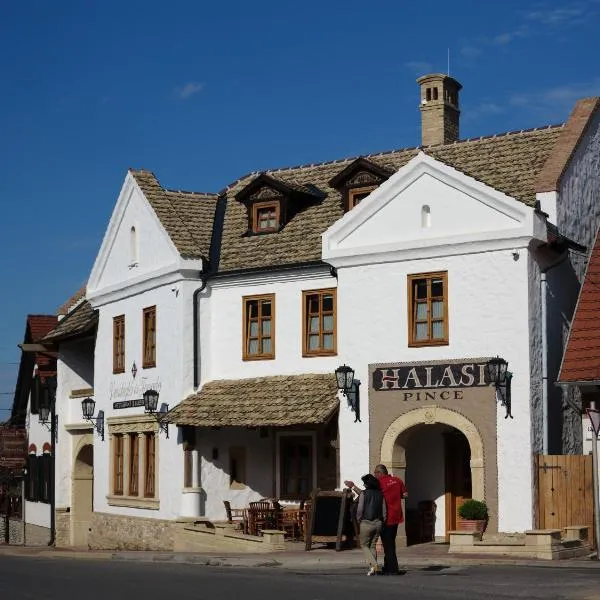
[[128, 403], [13, 448], [330, 519], [430, 377]]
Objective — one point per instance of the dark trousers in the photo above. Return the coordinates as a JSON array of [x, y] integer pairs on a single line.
[[388, 539]]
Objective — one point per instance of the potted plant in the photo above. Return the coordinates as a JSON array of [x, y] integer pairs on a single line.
[[473, 516]]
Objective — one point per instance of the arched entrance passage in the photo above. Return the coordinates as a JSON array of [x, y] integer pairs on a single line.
[[449, 424], [82, 492]]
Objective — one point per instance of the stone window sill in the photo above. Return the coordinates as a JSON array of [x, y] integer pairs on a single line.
[[134, 502]]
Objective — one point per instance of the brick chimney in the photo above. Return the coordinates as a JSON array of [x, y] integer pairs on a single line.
[[439, 109]]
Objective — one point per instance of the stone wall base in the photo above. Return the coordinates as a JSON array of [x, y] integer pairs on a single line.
[[63, 527], [117, 532]]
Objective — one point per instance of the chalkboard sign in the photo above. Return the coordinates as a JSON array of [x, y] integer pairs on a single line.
[[329, 519]]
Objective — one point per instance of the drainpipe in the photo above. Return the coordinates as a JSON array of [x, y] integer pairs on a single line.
[[195, 304], [544, 316], [544, 299]]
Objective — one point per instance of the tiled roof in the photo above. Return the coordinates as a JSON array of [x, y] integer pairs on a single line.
[[509, 163], [186, 216], [573, 131], [80, 320], [72, 301], [276, 401], [581, 361], [40, 325]]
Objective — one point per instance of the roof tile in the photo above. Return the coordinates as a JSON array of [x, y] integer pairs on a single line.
[[276, 401], [186, 216], [581, 361], [79, 321], [509, 163]]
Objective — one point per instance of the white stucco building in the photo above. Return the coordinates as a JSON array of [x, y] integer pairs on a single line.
[[414, 267]]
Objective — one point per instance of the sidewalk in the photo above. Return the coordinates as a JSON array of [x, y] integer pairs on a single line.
[[415, 557]]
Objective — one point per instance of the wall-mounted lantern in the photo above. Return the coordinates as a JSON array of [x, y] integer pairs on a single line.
[[349, 387], [151, 406], [87, 409], [500, 377]]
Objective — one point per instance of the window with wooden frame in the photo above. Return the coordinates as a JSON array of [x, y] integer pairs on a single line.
[[355, 195], [259, 327], [265, 217], [118, 464], [134, 463], [319, 319], [428, 309], [119, 344], [149, 465], [149, 356]]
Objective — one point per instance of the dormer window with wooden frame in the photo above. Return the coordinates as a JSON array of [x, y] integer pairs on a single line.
[[358, 180], [265, 216], [272, 201], [355, 195]]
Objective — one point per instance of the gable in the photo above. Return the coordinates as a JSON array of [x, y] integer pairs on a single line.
[[427, 208], [135, 244]]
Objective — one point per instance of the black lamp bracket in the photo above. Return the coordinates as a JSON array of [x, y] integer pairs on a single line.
[[504, 394], [98, 423]]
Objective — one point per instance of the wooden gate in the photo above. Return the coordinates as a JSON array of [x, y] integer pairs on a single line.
[[565, 491]]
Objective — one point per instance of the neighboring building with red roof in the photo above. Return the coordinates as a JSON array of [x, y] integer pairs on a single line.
[[36, 378], [581, 362]]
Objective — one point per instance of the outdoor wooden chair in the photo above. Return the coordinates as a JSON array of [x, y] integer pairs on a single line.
[[235, 515], [289, 520], [261, 515]]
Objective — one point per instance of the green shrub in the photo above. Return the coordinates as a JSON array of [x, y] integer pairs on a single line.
[[473, 510]]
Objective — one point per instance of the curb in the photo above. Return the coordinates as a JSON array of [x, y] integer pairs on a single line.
[[296, 563]]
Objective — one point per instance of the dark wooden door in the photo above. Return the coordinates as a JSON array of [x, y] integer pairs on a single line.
[[458, 476]]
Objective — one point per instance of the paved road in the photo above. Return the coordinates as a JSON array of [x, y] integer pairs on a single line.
[[54, 579]]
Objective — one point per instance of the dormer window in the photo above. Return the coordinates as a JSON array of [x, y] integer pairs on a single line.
[[271, 202], [265, 217], [359, 179], [355, 195]]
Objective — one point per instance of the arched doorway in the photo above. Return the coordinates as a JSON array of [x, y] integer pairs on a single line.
[[439, 454], [438, 477], [83, 495]]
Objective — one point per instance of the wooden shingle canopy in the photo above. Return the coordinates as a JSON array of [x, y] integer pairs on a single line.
[[581, 360], [80, 321], [276, 401]]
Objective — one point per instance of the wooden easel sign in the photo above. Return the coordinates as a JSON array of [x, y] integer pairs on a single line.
[[328, 516]]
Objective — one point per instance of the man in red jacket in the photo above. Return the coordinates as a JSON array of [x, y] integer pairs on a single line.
[[394, 491]]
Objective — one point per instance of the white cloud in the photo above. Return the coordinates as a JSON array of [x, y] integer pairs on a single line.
[[419, 67], [555, 102], [188, 90], [558, 16], [469, 51]]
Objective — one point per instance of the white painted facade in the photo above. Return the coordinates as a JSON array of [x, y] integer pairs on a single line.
[[124, 281], [480, 238]]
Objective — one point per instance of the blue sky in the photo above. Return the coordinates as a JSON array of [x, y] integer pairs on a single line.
[[203, 92]]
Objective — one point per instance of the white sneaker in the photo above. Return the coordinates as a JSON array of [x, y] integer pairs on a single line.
[[371, 572]]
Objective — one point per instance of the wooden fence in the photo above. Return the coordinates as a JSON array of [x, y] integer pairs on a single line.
[[565, 491]]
